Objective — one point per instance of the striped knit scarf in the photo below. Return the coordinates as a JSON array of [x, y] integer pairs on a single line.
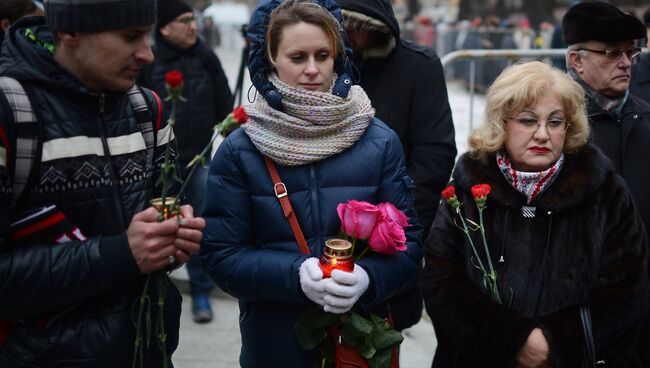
[[314, 126], [530, 184]]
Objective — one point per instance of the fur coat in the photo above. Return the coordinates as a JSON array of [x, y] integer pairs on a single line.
[[585, 244]]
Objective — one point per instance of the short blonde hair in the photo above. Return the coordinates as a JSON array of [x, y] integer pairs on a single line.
[[520, 86]]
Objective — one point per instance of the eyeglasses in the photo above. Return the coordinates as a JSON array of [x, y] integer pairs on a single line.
[[631, 53], [185, 20], [531, 124]]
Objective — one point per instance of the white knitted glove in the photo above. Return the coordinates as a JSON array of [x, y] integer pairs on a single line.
[[345, 289], [311, 280]]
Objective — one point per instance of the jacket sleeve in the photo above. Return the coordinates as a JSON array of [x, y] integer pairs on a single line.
[[49, 277], [391, 273], [468, 324], [432, 144], [228, 251], [619, 300]]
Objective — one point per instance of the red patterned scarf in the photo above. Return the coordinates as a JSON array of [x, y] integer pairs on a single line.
[[530, 184]]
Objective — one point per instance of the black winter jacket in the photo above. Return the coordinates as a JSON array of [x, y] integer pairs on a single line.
[[84, 289], [625, 141], [640, 84], [406, 85], [586, 244], [205, 87]]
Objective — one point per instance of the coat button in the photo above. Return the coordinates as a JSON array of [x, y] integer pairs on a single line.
[[636, 116]]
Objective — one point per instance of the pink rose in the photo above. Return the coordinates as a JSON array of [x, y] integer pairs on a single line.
[[388, 237], [358, 218], [388, 209]]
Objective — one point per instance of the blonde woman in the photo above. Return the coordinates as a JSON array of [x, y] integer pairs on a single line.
[[561, 232]]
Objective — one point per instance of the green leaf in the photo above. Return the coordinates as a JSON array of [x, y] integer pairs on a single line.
[[387, 338], [381, 359], [360, 324], [312, 328]]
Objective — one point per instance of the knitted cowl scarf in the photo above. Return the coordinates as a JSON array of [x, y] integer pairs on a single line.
[[314, 126]]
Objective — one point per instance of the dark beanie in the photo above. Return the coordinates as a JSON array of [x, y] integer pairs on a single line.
[[600, 21], [169, 10], [98, 15]]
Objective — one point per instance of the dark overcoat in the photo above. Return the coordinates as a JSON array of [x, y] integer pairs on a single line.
[[625, 140]]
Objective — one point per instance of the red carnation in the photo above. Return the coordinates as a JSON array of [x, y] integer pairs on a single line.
[[481, 190], [239, 114], [174, 79], [480, 193], [449, 192]]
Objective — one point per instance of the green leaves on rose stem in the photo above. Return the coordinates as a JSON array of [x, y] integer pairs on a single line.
[[313, 326], [372, 337]]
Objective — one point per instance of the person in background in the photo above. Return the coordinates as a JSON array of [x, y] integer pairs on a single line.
[[561, 231], [406, 85], [12, 10], [328, 147], [209, 100], [602, 45], [640, 83], [77, 246]]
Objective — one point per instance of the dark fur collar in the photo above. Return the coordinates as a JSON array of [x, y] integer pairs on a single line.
[[582, 174]]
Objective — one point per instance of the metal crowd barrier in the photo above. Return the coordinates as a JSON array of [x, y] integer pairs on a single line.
[[510, 55]]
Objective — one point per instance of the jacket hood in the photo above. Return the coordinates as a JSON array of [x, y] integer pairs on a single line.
[[376, 15], [582, 174], [259, 66], [28, 55]]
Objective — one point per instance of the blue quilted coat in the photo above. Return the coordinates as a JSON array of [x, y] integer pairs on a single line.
[[250, 250]]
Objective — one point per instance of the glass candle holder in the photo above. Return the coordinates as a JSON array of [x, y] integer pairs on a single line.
[[171, 207], [337, 255]]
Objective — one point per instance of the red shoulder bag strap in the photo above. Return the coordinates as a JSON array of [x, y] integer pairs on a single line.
[[280, 191]]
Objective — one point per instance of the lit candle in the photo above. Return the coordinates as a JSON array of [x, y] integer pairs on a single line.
[[337, 255]]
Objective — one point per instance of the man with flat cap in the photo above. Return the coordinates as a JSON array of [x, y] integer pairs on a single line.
[[602, 45]]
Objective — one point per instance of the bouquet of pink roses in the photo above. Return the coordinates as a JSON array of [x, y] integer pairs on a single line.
[[381, 229]]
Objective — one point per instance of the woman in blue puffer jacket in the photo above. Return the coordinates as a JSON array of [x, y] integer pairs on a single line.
[[321, 132]]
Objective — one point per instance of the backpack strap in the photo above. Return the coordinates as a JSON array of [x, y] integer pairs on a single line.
[[143, 116], [26, 127], [280, 191]]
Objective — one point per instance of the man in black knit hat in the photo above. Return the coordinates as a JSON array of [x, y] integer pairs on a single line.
[[602, 45], [78, 237], [209, 100]]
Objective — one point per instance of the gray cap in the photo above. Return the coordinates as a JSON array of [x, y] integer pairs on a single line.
[[99, 15]]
